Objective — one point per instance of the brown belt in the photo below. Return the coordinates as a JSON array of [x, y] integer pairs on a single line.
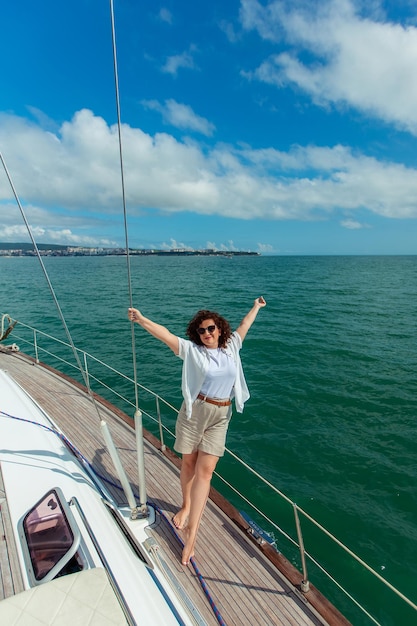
[[216, 402]]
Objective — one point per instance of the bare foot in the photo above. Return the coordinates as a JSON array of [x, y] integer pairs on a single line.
[[180, 519], [188, 550]]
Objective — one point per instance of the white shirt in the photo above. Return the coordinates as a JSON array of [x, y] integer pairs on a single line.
[[220, 376], [195, 367]]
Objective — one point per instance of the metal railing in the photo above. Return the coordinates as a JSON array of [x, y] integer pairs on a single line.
[[33, 345]]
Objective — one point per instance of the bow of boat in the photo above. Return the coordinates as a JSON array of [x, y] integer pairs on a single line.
[[231, 582]]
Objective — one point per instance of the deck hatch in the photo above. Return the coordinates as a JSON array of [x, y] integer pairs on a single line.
[[50, 538]]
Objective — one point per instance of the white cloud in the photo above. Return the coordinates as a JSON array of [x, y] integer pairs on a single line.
[[19, 233], [228, 247], [353, 224], [68, 237], [165, 15], [229, 30], [265, 248], [43, 120], [181, 116], [175, 245], [179, 61], [75, 177], [363, 62]]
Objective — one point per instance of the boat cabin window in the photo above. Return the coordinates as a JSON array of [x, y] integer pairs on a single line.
[[51, 539]]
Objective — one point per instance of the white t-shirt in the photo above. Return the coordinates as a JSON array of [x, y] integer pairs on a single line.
[[220, 376], [196, 365]]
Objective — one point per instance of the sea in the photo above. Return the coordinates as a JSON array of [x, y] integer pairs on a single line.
[[331, 365]]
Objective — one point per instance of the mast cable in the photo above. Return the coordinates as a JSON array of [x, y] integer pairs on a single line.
[[106, 434], [138, 416], [138, 413], [122, 179], [51, 289]]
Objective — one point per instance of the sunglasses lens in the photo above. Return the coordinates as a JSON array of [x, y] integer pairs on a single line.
[[210, 329]]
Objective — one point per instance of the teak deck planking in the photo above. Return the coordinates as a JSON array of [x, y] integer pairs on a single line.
[[246, 587]]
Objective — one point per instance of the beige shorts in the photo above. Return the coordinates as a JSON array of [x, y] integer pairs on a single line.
[[205, 430]]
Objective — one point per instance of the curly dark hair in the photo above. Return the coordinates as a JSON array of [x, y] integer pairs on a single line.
[[221, 323]]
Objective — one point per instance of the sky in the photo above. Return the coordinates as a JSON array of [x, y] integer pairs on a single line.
[[281, 127]]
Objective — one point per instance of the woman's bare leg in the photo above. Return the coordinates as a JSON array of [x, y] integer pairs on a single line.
[[186, 480], [200, 487]]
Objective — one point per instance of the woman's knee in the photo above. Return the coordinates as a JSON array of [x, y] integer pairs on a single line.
[[189, 461], [205, 466]]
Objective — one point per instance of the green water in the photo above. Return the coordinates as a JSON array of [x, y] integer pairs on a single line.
[[330, 363]]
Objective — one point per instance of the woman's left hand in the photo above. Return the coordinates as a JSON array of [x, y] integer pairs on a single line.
[[260, 301]]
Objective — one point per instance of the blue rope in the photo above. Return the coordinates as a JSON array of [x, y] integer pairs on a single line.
[[81, 457], [196, 569]]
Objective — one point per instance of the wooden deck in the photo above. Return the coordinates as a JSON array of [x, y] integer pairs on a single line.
[[246, 586], [10, 576]]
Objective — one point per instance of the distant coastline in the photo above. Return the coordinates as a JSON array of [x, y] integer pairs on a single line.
[[26, 249]]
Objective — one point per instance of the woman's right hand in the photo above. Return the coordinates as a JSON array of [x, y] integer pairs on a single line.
[[134, 315], [157, 330]]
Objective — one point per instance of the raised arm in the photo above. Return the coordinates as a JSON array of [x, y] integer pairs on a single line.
[[158, 331], [249, 318]]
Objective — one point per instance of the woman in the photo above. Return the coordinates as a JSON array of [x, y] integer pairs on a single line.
[[211, 376]]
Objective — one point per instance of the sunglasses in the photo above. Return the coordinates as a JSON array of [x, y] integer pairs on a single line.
[[210, 329]]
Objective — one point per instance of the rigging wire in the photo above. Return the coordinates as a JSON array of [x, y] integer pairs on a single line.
[[138, 413], [122, 178], [135, 511], [50, 286], [106, 434]]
